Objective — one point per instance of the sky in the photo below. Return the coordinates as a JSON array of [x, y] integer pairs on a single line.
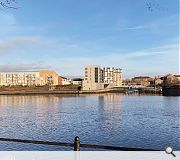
[[141, 37]]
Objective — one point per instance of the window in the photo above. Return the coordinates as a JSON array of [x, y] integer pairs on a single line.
[[96, 75]]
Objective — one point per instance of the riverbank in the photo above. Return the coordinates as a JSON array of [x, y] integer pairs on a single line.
[[112, 90]]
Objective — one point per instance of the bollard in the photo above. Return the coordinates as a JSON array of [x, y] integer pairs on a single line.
[[76, 143]]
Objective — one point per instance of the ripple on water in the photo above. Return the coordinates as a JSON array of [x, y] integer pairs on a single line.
[[109, 119]]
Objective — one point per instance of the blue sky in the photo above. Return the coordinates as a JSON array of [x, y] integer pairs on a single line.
[[65, 35]]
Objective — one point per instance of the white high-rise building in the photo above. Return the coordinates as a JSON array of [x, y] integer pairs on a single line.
[[93, 78], [96, 78], [112, 76]]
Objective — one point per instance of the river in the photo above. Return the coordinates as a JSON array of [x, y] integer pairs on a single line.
[[144, 121]]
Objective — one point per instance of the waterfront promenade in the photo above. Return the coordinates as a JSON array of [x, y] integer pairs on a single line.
[[75, 91]]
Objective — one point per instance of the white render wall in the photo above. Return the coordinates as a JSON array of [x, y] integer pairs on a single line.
[[19, 78], [109, 76], [112, 76], [93, 80], [91, 86]]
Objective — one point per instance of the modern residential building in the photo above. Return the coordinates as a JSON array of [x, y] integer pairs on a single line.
[[29, 78], [60, 80], [64, 81], [93, 78], [112, 76], [77, 81], [96, 78], [19, 78], [48, 77]]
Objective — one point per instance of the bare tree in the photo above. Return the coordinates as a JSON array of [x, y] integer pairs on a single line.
[[8, 4], [153, 6]]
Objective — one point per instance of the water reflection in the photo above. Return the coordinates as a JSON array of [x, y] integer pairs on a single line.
[[108, 119], [110, 101], [111, 112], [110, 104], [23, 100]]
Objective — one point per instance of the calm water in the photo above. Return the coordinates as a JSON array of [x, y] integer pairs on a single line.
[[109, 119]]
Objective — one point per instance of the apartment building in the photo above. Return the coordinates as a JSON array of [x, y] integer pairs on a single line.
[[19, 78], [48, 77], [77, 81], [96, 78], [29, 78], [141, 80], [64, 81], [93, 78], [118, 77], [112, 76]]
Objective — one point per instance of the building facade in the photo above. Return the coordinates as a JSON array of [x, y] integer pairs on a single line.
[[112, 76], [64, 81], [141, 80], [170, 80], [19, 78], [48, 77], [96, 78], [93, 78], [29, 78], [77, 81]]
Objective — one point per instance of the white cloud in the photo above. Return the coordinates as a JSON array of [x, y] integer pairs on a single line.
[[157, 51], [156, 25], [160, 60], [9, 45], [23, 67], [136, 27]]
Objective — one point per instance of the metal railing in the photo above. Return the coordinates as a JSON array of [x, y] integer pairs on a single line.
[[76, 145]]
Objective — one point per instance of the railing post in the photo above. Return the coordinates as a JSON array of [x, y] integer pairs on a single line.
[[76, 143]]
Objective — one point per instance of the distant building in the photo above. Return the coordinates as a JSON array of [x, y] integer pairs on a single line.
[[155, 82], [19, 78], [112, 76], [158, 81], [96, 78], [141, 80], [171, 85], [48, 77], [178, 77], [77, 81], [170, 80], [64, 81], [126, 82], [61, 80], [93, 78], [29, 78]]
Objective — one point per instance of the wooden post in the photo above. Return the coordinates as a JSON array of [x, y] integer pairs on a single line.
[[76, 143]]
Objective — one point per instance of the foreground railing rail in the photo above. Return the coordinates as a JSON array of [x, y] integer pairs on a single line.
[[77, 145]]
